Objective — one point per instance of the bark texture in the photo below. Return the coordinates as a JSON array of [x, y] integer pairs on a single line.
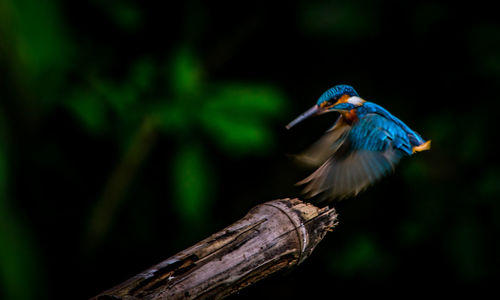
[[273, 236]]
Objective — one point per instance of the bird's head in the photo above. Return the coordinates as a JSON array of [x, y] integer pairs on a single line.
[[342, 98]]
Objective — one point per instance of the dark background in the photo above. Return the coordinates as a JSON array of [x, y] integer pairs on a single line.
[[131, 130]]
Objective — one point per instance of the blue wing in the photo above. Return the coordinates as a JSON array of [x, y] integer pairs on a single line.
[[369, 151]]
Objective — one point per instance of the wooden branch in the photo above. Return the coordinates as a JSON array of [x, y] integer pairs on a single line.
[[273, 236]]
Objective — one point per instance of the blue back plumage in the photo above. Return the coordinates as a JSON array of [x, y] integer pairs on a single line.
[[336, 92], [370, 107], [364, 137]]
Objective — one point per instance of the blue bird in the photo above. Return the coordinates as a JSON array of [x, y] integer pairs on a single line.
[[364, 144]]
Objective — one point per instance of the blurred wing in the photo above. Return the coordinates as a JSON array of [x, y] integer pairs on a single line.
[[372, 148], [327, 145]]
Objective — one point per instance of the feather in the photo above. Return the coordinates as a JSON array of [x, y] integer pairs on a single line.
[[359, 156], [326, 146]]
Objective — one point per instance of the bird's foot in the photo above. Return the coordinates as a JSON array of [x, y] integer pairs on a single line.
[[425, 146]]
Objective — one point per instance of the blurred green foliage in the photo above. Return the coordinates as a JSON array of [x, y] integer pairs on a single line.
[[360, 254], [193, 185], [235, 115], [18, 258], [341, 18], [34, 41], [132, 129], [125, 14]]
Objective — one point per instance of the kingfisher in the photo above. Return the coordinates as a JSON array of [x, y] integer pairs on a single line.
[[364, 144]]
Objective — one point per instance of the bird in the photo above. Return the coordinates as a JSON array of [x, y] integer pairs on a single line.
[[364, 144]]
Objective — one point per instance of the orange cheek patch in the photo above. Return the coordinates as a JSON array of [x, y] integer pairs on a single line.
[[350, 116], [343, 99]]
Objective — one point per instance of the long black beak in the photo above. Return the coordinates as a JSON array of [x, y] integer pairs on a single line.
[[313, 111]]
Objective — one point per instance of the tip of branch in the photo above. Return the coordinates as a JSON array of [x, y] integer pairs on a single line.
[[311, 222]]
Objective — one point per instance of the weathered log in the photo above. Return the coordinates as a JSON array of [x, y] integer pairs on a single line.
[[273, 236]]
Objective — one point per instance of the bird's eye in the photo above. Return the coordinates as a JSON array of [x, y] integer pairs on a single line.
[[330, 102], [333, 100]]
